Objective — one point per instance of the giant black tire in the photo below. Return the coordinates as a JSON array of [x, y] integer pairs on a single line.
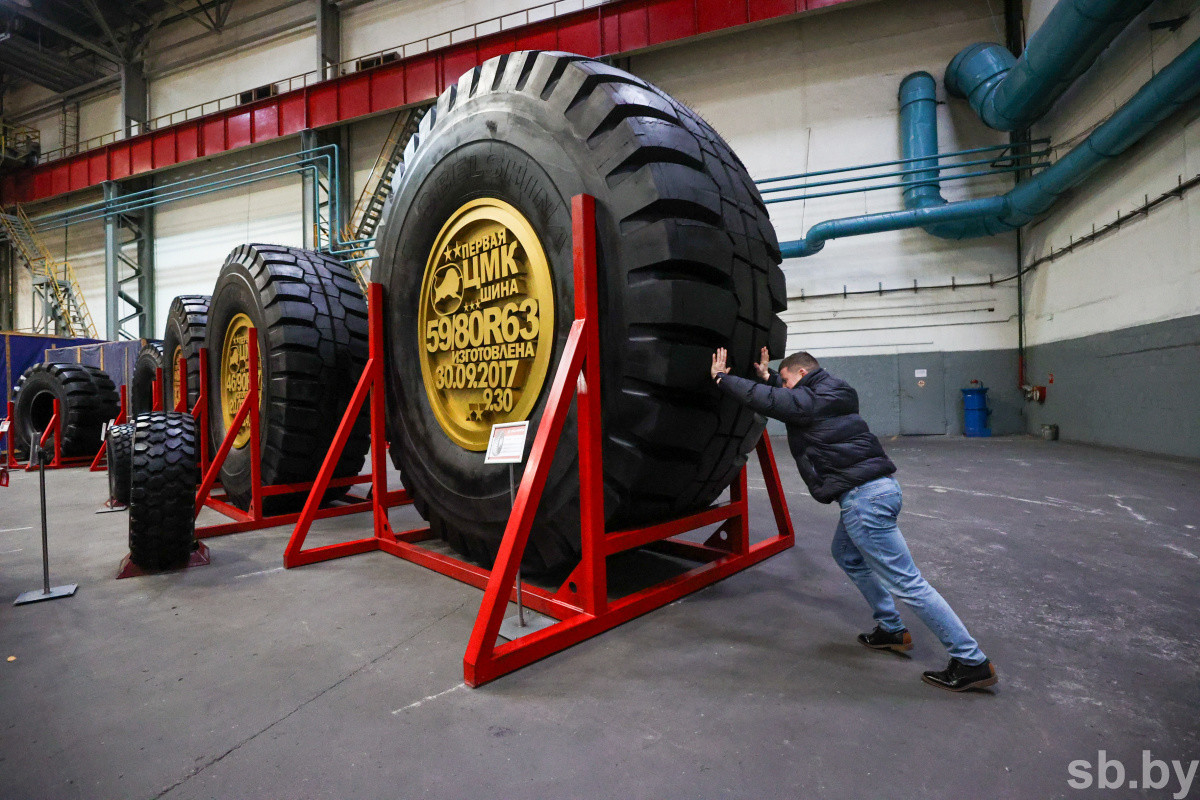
[[84, 408], [689, 262], [311, 319], [145, 372], [120, 457], [163, 475], [187, 322]]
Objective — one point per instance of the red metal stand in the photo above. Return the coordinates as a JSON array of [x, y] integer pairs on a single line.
[[156, 390], [10, 446], [122, 417], [252, 518], [55, 429], [582, 604]]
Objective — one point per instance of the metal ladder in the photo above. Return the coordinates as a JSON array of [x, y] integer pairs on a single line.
[[364, 220], [56, 279]]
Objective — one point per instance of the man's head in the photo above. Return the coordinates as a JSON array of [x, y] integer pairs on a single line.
[[793, 368]]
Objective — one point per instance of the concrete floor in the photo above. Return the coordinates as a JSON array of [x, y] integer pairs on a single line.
[[1077, 568]]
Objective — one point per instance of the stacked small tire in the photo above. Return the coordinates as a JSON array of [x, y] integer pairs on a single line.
[[164, 471]]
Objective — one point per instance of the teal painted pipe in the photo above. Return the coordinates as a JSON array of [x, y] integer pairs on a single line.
[[1176, 84], [1008, 93]]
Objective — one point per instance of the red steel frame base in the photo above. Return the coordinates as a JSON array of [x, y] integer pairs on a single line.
[[253, 518], [581, 604]]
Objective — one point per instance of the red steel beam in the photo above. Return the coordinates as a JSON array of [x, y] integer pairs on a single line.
[[619, 27]]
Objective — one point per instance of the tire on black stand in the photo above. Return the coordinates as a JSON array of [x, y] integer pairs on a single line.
[[187, 321], [120, 456], [163, 476], [145, 371], [475, 258], [311, 319], [83, 406]]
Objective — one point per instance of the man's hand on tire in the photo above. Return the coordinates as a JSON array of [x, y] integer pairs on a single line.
[[719, 365], [764, 371]]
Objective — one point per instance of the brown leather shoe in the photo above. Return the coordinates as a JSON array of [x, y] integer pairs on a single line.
[[960, 677], [879, 639]]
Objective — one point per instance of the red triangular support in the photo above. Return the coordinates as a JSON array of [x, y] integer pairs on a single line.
[[582, 604]]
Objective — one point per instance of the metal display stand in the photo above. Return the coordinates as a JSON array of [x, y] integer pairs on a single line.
[[581, 606], [38, 457]]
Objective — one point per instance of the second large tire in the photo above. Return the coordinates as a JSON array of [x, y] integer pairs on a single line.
[[688, 262], [311, 320]]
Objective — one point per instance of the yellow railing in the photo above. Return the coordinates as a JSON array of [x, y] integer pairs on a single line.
[[71, 306]]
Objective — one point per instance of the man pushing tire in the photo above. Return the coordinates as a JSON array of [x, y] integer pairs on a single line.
[[840, 459]]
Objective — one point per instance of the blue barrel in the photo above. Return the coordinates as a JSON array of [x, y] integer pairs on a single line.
[[975, 412]]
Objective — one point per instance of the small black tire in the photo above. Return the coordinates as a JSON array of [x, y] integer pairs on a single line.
[[145, 372], [187, 324], [120, 455], [688, 262], [80, 403], [311, 319], [163, 476]]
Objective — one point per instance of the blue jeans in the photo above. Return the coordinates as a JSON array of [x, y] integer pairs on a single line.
[[869, 547]]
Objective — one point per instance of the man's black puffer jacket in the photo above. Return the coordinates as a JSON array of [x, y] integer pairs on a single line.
[[832, 445]]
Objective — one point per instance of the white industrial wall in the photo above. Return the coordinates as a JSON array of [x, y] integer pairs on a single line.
[[1114, 326], [821, 93], [1149, 270]]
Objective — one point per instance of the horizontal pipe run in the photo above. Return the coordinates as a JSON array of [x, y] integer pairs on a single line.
[[903, 184], [917, 170], [896, 162]]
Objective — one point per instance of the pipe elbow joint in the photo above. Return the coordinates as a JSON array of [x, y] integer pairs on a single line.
[[975, 73]]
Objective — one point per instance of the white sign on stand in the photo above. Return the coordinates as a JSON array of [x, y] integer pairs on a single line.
[[506, 445]]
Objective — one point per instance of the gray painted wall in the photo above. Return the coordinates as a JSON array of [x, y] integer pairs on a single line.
[[1137, 388], [878, 381]]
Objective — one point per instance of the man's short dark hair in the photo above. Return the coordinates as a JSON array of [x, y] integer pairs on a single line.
[[799, 361]]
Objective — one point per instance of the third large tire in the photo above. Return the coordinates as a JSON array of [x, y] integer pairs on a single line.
[[311, 320], [476, 260], [187, 323]]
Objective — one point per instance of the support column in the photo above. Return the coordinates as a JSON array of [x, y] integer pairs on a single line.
[[128, 266], [112, 286], [135, 104], [329, 38], [8, 288]]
